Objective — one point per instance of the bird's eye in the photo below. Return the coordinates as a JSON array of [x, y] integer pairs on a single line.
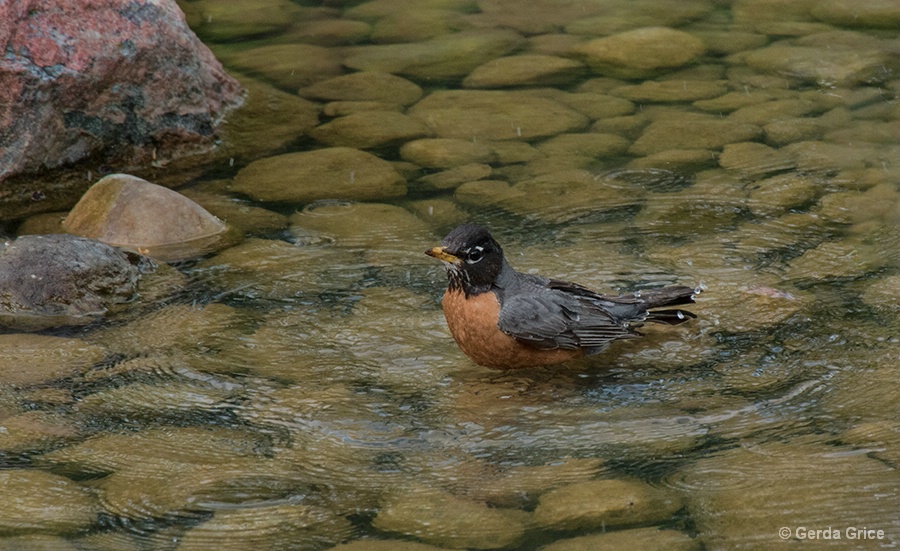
[[475, 255]]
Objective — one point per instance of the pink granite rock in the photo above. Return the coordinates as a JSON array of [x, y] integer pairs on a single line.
[[119, 81]]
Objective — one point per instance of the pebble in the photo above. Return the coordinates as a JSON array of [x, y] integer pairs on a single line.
[[883, 294], [278, 526], [453, 177], [230, 21], [879, 14], [128, 211], [752, 160], [824, 58]]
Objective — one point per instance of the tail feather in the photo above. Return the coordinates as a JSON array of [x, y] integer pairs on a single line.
[[675, 295], [670, 317], [669, 296]]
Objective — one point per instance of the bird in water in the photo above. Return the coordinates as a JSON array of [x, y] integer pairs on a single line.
[[504, 319]]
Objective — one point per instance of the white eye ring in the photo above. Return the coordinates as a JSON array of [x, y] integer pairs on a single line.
[[475, 255]]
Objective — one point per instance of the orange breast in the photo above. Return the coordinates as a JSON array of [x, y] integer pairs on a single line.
[[473, 324]]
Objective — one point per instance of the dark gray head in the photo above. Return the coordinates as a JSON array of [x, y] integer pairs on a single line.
[[472, 257]]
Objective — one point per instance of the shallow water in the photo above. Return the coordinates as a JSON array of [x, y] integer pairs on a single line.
[[300, 390]]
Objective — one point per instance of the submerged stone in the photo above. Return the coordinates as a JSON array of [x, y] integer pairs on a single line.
[[448, 56], [692, 132], [833, 65], [268, 120], [39, 502], [495, 115], [127, 211], [524, 70], [331, 173], [443, 519], [288, 66], [641, 52], [741, 497], [275, 526], [446, 152], [636, 539], [30, 359], [602, 503], [370, 129], [365, 86]]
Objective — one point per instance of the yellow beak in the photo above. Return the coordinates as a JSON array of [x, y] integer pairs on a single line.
[[441, 254]]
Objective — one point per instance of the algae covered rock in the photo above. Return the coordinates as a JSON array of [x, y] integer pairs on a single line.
[[128, 211]]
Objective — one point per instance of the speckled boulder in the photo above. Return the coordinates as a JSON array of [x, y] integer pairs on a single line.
[[115, 80]]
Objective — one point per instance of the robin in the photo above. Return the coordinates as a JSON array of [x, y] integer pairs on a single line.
[[505, 319]]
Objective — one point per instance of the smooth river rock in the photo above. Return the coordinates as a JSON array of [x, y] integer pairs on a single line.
[[331, 173], [365, 86], [524, 70], [39, 502], [370, 129], [448, 56], [601, 503], [640, 52], [127, 211], [30, 359], [443, 519], [495, 115]]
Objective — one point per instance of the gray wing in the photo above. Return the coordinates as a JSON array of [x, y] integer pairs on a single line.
[[556, 319]]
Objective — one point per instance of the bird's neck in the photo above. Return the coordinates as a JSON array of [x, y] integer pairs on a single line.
[[459, 281]]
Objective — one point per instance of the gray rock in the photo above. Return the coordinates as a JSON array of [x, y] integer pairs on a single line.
[[54, 280]]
